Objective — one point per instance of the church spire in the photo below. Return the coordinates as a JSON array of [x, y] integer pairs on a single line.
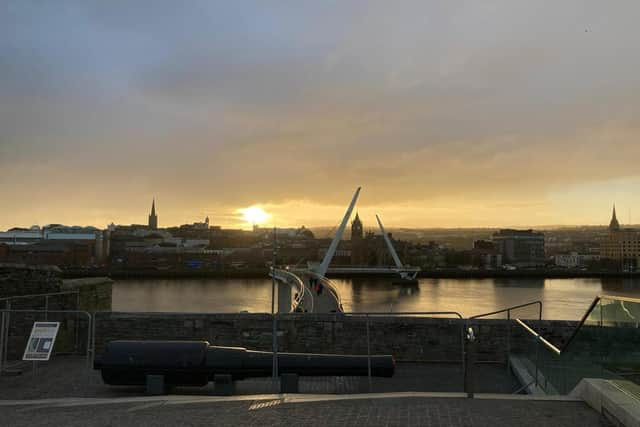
[[153, 218], [614, 225]]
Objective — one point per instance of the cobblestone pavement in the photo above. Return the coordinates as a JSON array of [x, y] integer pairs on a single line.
[[68, 377], [412, 411]]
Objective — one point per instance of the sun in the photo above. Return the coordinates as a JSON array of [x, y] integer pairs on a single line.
[[255, 215]]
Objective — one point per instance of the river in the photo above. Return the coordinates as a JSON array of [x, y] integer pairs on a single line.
[[565, 299]]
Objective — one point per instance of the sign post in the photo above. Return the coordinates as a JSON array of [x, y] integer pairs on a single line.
[[41, 340]]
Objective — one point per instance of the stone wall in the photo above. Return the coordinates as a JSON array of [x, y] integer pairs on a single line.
[[406, 338], [93, 294], [22, 279]]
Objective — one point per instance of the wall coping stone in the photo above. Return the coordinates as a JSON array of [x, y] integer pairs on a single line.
[[16, 266]]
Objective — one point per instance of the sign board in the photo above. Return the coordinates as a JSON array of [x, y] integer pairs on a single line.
[[41, 340]]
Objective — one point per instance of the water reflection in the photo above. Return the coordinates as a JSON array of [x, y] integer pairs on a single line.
[[196, 296], [519, 283], [621, 285], [562, 298]]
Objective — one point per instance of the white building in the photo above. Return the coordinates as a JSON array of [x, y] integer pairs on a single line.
[[574, 259], [21, 236]]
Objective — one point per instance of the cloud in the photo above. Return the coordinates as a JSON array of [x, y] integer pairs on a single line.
[[472, 106]]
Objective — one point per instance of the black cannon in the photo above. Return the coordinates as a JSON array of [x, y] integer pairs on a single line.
[[195, 363]]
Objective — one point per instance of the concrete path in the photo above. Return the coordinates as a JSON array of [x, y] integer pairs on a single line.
[[413, 409]]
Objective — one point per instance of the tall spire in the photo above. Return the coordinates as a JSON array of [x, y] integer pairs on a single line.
[[614, 225], [153, 218]]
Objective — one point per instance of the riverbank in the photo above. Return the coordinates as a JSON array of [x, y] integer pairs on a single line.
[[258, 273]]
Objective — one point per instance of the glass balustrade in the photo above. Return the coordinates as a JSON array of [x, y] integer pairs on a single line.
[[606, 344]]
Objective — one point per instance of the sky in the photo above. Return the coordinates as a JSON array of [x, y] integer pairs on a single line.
[[447, 113]]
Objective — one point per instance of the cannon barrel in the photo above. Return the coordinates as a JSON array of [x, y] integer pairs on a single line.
[[195, 363]]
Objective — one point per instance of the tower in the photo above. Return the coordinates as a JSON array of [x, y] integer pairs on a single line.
[[614, 225], [356, 229], [357, 242], [153, 218]]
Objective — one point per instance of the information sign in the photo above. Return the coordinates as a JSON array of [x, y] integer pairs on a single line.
[[41, 340]]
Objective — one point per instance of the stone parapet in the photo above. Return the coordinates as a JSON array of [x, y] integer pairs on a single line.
[[406, 338]]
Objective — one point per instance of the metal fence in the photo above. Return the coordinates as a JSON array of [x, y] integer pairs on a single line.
[[74, 336], [423, 342], [416, 336], [23, 300]]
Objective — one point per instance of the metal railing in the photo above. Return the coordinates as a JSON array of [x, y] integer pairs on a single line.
[[409, 314], [557, 352], [508, 310], [580, 323], [368, 315], [46, 296], [465, 348], [303, 299], [539, 337], [5, 323], [590, 309]]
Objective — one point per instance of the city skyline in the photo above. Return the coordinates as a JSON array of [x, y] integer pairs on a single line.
[[247, 218], [507, 113]]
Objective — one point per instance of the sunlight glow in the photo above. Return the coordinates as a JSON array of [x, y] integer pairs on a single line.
[[255, 215]]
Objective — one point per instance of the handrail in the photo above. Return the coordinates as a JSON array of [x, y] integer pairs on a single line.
[[284, 276], [39, 295], [619, 298], [302, 293], [403, 313], [582, 321], [508, 310], [539, 337], [590, 309]]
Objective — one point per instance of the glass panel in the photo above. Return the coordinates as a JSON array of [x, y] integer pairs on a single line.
[[620, 338], [606, 345]]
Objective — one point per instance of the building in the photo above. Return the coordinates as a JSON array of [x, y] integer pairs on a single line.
[[63, 253], [574, 260], [621, 247], [153, 218], [284, 233], [366, 249], [358, 244], [485, 254], [54, 244], [18, 235], [520, 248]]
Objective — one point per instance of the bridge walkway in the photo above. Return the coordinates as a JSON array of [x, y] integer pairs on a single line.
[[327, 301]]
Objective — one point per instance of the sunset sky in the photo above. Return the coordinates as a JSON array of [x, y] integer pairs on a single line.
[[447, 113]]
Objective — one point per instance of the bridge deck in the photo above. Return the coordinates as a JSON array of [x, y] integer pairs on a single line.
[[323, 302]]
